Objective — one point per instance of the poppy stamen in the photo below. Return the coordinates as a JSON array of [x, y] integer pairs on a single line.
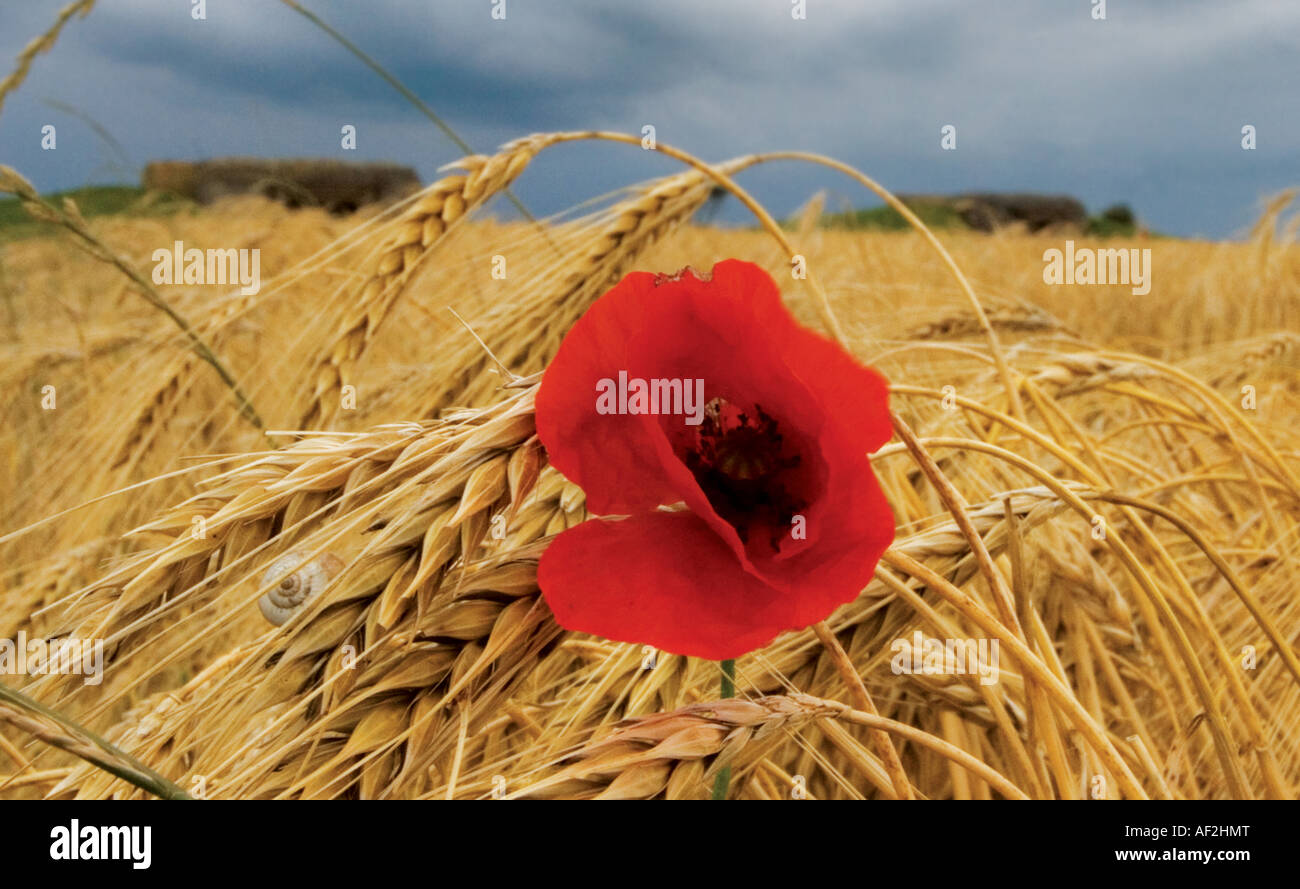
[[740, 460]]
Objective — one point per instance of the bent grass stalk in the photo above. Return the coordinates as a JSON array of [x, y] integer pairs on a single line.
[[42, 43], [57, 730]]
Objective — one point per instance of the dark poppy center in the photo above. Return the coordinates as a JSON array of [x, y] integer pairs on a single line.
[[746, 466]]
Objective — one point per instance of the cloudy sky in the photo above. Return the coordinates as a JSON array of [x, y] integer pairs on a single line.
[[1145, 107]]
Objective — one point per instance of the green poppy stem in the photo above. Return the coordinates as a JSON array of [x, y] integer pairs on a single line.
[[728, 690]]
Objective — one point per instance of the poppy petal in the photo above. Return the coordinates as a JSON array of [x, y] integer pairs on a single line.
[[612, 457], [663, 579]]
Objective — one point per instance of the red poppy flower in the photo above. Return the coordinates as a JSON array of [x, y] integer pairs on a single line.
[[704, 391]]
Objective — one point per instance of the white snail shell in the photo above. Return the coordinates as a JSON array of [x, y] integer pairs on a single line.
[[296, 579]]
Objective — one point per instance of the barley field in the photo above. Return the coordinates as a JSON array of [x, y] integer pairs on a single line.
[[1107, 484]]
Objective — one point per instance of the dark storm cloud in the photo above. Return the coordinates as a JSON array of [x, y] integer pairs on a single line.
[[1146, 106]]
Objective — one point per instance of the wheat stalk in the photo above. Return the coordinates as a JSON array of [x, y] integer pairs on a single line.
[[524, 335], [409, 240], [1015, 318], [43, 43], [666, 752]]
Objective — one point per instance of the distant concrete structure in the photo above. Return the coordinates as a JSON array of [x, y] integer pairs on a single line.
[[337, 186], [988, 211]]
